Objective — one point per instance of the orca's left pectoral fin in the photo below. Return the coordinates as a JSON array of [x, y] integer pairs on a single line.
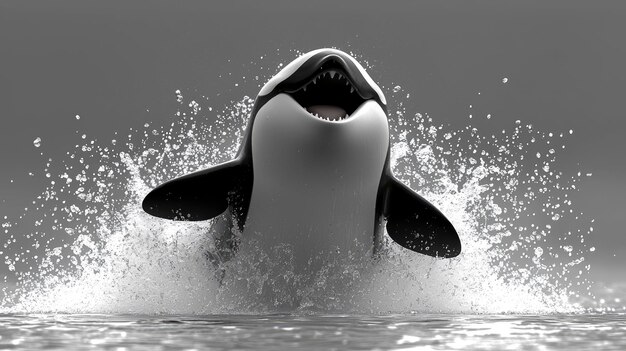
[[197, 196], [417, 225]]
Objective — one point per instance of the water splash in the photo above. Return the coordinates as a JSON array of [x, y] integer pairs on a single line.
[[94, 250]]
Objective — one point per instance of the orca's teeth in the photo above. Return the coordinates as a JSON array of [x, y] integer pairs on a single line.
[[329, 84], [330, 75], [330, 118]]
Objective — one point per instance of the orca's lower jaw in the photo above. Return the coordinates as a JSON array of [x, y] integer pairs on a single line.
[[330, 95]]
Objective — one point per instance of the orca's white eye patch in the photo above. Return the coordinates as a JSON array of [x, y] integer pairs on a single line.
[[369, 80]]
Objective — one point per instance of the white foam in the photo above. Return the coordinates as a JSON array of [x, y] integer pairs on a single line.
[[96, 251]]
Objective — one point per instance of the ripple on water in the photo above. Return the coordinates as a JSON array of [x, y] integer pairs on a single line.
[[282, 331]]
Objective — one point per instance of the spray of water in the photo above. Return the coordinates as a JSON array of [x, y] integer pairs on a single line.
[[94, 250]]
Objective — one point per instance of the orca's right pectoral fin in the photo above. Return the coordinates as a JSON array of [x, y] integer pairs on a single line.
[[197, 196], [417, 225]]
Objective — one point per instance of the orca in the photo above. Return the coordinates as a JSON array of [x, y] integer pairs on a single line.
[[312, 170]]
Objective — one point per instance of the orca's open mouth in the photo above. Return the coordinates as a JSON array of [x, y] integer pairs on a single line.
[[329, 94]]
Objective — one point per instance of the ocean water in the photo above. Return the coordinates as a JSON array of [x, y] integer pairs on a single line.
[[97, 272], [317, 332]]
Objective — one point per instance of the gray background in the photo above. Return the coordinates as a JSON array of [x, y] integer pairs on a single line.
[[112, 61]]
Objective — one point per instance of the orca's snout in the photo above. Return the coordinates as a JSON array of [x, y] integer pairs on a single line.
[[343, 80]]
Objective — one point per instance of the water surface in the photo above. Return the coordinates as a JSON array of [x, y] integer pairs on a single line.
[[329, 332]]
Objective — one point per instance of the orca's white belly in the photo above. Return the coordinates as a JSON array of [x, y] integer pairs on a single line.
[[315, 184]]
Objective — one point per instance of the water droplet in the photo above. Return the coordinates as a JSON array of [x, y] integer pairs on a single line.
[[37, 142]]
